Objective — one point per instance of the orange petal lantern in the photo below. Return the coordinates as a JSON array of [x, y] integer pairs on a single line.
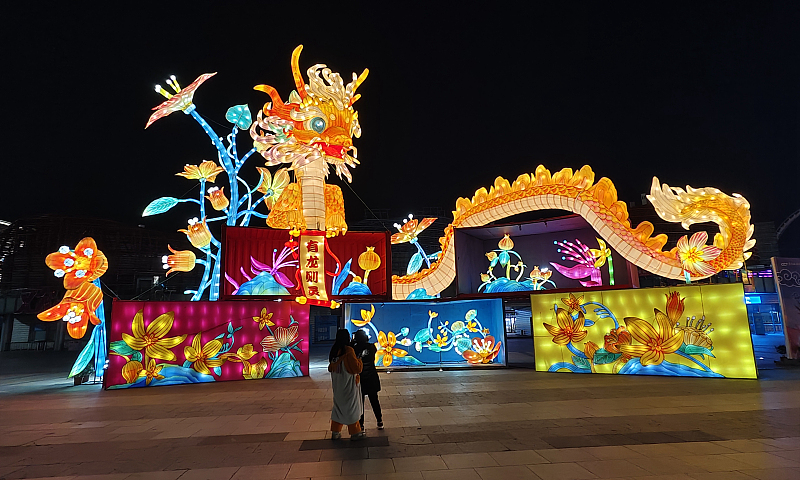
[[198, 233], [217, 198], [179, 261]]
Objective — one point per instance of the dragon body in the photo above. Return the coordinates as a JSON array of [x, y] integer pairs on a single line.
[[597, 203], [314, 131]]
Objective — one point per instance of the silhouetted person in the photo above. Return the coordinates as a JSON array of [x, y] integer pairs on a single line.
[[370, 383]]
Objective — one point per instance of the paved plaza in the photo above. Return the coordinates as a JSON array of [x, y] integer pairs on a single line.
[[461, 425]]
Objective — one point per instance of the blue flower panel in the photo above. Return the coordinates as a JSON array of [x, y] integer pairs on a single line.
[[424, 334]]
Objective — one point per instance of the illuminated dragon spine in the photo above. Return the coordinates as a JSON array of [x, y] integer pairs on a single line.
[[597, 203]]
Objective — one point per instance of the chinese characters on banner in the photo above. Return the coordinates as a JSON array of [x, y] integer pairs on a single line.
[[312, 268]]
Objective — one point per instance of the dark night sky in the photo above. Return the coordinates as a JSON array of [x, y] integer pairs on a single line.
[[704, 93]]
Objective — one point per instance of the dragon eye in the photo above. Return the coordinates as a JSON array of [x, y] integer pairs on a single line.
[[317, 124]]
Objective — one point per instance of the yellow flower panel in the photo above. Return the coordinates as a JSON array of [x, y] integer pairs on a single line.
[[721, 305]]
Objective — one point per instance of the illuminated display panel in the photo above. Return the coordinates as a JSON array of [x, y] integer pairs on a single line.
[[697, 331], [269, 263], [171, 343], [562, 253], [420, 334]]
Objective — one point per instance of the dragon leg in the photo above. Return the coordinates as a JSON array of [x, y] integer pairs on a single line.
[[334, 211], [287, 212]]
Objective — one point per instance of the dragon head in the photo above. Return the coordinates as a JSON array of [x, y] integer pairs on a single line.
[[317, 122]]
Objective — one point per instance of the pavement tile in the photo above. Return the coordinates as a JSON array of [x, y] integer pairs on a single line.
[[790, 443], [416, 464], [224, 473], [481, 446], [162, 475], [561, 471], [465, 460], [657, 450], [614, 468], [367, 465], [455, 474], [721, 476], [395, 476], [262, 472], [518, 457], [790, 454], [315, 469], [715, 463], [702, 448], [771, 473], [612, 452], [763, 460], [342, 477], [507, 472], [747, 445], [560, 455], [109, 476], [344, 454]]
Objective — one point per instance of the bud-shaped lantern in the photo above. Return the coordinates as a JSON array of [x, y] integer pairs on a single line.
[[506, 243], [198, 233], [369, 261], [217, 198]]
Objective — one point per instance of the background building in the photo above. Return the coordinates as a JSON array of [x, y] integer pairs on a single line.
[[28, 286]]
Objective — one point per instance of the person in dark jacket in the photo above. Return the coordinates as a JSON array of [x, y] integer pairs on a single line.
[[370, 383]]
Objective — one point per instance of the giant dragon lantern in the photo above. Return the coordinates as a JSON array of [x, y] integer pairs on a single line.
[[311, 132]]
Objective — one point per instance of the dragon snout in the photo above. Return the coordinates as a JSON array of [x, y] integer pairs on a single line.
[[338, 136]]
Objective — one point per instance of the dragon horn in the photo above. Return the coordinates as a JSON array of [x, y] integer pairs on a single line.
[[358, 82], [298, 79], [278, 107]]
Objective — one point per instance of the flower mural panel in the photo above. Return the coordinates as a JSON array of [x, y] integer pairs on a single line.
[[170, 343], [561, 253], [264, 262], [699, 331], [418, 334]]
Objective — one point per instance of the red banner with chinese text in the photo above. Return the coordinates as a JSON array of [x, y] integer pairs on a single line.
[[265, 262]]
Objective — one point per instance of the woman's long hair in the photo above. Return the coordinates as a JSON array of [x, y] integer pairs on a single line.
[[342, 340]]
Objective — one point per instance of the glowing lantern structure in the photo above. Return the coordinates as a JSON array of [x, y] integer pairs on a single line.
[[597, 203], [311, 131], [81, 269]]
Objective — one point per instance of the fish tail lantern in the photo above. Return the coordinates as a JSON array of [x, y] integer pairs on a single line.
[[369, 261]]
